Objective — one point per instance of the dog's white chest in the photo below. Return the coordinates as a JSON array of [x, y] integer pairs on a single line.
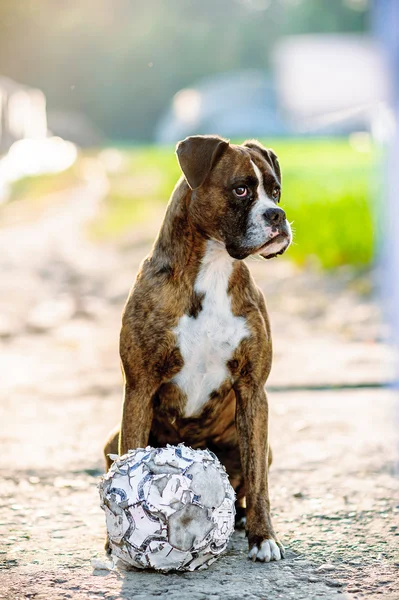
[[208, 341]]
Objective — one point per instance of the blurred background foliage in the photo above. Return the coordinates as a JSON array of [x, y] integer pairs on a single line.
[[121, 62]]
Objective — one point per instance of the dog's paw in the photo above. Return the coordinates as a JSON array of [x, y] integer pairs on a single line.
[[268, 550]]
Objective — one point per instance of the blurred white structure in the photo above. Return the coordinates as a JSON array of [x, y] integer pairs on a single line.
[[386, 30], [320, 85], [323, 80], [24, 138], [22, 113], [233, 104]]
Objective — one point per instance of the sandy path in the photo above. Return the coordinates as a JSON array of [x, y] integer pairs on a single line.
[[333, 485]]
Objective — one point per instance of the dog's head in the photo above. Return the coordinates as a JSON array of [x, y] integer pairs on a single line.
[[235, 195]]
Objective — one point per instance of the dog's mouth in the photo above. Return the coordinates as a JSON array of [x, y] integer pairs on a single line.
[[275, 246]]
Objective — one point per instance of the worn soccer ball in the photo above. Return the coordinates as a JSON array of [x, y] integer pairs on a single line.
[[168, 508]]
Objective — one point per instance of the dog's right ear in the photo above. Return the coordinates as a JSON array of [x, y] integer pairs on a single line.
[[197, 155], [267, 153]]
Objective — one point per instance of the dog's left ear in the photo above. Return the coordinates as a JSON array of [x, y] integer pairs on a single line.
[[197, 155], [268, 154]]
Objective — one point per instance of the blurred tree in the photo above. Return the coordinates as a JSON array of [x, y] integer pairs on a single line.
[[121, 62]]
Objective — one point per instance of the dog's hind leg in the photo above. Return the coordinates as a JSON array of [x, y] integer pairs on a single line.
[[240, 519], [111, 446]]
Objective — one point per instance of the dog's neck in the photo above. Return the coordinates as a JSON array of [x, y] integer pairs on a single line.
[[180, 245]]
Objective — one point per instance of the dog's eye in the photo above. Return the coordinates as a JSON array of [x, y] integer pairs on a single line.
[[276, 194], [241, 191]]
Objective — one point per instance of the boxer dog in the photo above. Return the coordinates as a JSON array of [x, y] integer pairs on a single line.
[[195, 342]]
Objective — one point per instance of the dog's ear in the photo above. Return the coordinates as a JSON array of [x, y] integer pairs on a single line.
[[268, 154], [275, 163], [197, 155]]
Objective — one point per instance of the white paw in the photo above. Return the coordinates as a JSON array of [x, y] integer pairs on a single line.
[[268, 551]]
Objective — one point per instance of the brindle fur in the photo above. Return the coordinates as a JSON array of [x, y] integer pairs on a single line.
[[234, 421]]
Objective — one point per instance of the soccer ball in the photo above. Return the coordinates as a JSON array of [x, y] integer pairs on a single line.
[[168, 508]]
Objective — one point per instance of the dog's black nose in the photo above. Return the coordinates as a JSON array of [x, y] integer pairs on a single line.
[[274, 215]]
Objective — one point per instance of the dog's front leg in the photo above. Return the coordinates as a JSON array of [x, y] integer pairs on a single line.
[[137, 417], [252, 426]]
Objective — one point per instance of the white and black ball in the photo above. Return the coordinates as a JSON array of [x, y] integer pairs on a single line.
[[168, 508]]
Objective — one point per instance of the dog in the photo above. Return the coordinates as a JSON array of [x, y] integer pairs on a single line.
[[195, 341]]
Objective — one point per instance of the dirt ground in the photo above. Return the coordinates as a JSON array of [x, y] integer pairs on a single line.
[[334, 490]]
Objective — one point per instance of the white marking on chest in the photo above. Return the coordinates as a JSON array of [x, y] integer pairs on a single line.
[[208, 341]]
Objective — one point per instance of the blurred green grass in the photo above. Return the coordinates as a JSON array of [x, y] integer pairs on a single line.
[[326, 195], [34, 187]]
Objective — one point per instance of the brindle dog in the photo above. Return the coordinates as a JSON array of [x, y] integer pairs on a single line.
[[195, 342]]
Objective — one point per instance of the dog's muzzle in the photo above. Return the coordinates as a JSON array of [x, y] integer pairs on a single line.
[[275, 246], [275, 237], [280, 235]]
